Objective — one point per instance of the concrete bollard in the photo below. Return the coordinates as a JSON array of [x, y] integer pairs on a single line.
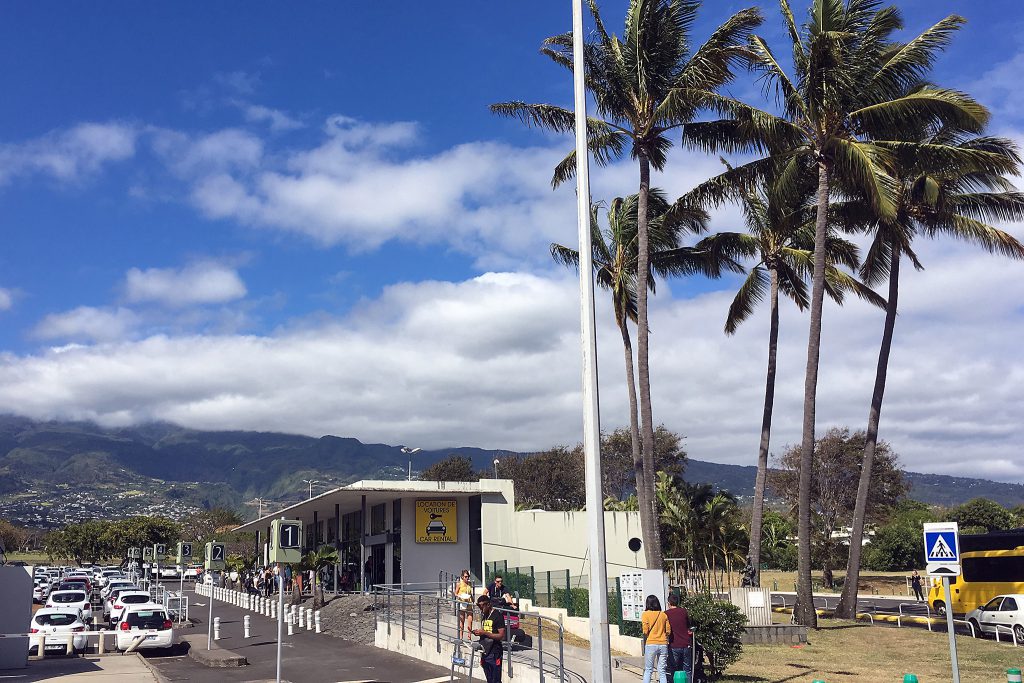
[[245, 626], [302, 618], [309, 618], [1013, 676], [291, 626], [216, 628], [316, 616]]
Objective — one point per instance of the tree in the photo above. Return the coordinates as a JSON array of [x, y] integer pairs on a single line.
[[452, 468], [615, 259], [778, 237], [12, 538], [949, 190], [644, 86], [323, 557], [850, 94], [551, 479], [981, 515], [617, 459], [776, 534], [1018, 516], [835, 471]]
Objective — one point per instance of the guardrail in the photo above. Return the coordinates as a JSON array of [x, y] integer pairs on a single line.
[[928, 614], [424, 607], [1013, 633]]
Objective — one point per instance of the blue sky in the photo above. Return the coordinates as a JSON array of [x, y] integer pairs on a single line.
[[182, 184]]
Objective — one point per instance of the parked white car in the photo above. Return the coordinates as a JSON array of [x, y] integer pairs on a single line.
[[1003, 612], [40, 591], [124, 599], [116, 591], [112, 584], [150, 622], [72, 600], [57, 620]]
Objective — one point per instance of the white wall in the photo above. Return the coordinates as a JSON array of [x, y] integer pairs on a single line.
[[550, 541]]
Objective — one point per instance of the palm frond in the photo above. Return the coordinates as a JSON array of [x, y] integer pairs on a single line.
[[867, 166], [750, 293], [923, 105]]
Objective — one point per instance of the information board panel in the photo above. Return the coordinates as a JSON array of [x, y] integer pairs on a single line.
[[437, 521]]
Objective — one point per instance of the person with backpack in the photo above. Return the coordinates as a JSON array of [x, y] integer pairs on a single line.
[[657, 631]]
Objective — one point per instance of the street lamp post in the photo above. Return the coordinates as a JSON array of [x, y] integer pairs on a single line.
[[496, 468], [600, 642], [409, 452], [310, 482]]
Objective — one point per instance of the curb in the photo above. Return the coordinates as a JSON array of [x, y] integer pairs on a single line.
[[152, 669]]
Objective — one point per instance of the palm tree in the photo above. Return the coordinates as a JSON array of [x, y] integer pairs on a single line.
[[316, 560], [950, 192], [644, 85], [855, 89], [778, 235], [616, 259]]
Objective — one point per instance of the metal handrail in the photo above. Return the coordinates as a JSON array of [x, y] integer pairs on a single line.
[[1013, 634], [548, 662], [928, 613]]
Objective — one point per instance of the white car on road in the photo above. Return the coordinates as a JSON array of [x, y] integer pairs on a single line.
[[125, 599], [60, 621], [149, 625], [1004, 613], [74, 599]]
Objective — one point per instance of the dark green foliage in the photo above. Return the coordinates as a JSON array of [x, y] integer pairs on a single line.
[[617, 459], [982, 516], [895, 547], [718, 626], [516, 582], [452, 468]]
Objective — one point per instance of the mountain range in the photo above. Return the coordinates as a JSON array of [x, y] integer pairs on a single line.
[[55, 471]]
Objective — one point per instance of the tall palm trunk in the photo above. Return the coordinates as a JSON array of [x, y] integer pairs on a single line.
[[648, 513], [804, 611], [757, 515], [847, 607], [642, 494]]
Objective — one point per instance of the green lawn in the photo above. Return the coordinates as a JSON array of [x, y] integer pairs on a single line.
[[843, 651]]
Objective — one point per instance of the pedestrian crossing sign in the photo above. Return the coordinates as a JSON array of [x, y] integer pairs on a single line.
[[941, 545]]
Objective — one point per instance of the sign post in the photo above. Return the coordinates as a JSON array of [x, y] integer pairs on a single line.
[[285, 547], [942, 555], [184, 557], [214, 562], [159, 551]]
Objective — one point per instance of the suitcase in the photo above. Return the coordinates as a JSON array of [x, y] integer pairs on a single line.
[[520, 640]]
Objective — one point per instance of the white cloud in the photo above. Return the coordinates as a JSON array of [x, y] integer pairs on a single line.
[[275, 118], [87, 323], [204, 282], [69, 155], [6, 299], [493, 362], [190, 156]]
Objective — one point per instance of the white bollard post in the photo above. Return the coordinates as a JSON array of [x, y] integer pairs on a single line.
[[316, 616], [302, 618], [291, 626], [245, 625], [309, 618], [273, 610], [216, 628]]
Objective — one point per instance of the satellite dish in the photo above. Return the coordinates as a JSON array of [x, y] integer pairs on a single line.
[[635, 544]]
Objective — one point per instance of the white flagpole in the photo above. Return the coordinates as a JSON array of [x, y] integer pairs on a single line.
[[600, 644]]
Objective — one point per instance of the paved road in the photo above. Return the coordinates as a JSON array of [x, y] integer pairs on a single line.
[[307, 657]]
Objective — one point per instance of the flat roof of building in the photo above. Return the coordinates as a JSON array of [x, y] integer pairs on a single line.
[[349, 497]]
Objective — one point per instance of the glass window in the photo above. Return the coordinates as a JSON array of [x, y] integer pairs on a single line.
[[1009, 605], [144, 619], [58, 619], [396, 516], [378, 523], [68, 597], [320, 532], [1007, 568], [134, 599], [992, 605]]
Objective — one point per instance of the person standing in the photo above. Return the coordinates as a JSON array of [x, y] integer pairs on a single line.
[[657, 632], [492, 634], [464, 603], [915, 583], [679, 644]]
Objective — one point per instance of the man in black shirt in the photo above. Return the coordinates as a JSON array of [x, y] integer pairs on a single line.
[[492, 633], [499, 593]]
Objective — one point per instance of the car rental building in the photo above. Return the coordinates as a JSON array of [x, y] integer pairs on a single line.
[[416, 531]]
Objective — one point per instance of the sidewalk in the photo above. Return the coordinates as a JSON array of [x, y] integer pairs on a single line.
[[91, 669], [307, 657]]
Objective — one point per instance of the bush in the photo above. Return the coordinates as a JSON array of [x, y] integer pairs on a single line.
[[719, 627], [576, 601]]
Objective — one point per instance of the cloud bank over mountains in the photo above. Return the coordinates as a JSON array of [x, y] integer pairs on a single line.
[[490, 360]]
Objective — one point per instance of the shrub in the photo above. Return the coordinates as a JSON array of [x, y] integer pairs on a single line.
[[719, 627]]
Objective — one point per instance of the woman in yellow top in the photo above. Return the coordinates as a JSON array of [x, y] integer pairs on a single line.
[[657, 633], [464, 602]]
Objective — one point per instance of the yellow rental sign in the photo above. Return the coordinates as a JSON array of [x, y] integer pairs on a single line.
[[436, 521]]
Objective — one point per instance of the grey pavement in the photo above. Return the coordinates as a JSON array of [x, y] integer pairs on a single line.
[[307, 657], [104, 669]]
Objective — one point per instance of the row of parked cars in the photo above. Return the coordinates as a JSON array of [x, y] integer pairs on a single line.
[[75, 601]]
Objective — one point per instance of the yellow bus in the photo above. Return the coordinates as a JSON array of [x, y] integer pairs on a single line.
[[985, 574]]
